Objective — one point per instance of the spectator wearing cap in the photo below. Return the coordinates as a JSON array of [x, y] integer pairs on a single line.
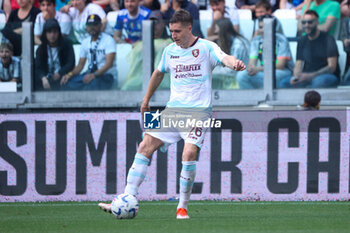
[[54, 57], [48, 11], [128, 27], [99, 49], [161, 40], [79, 10], [10, 66]]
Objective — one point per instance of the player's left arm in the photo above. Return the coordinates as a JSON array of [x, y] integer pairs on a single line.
[[233, 63]]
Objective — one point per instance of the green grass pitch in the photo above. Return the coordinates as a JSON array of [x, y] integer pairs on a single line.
[[159, 216]]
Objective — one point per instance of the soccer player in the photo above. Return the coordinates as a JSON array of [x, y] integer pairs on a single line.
[[190, 61]]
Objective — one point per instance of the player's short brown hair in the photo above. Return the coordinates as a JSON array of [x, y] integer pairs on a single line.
[[182, 16]]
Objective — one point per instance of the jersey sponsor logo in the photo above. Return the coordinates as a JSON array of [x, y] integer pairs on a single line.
[[195, 52], [188, 75], [186, 68], [174, 57]]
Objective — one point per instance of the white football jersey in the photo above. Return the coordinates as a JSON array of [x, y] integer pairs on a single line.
[[190, 70]]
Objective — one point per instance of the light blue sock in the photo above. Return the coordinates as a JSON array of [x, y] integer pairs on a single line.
[[188, 173], [136, 175]]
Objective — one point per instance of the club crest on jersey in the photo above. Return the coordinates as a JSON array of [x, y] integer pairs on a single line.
[[195, 52]]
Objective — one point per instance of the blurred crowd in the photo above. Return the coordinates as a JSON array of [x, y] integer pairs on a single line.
[[99, 26]]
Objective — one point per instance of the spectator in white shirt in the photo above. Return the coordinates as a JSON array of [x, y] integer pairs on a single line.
[[48, 11]]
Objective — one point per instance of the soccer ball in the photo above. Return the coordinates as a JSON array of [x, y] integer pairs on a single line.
[[125, 206]]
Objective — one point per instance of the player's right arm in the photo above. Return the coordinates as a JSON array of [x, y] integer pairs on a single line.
[[154, 83]]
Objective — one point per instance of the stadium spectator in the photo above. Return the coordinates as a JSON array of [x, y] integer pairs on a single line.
[[312, 100], [102, 3], [220, 10], [6, 7], [345, 9], [246, 4], [61, 3], [48, 11], [54, 57], [233, 43], [251, 5], [79, 10], [253, 77], [170, 6], [153, 5], [99, 49], [161, 40], [317, 57], [114, 5], [297, 5], [263, 8], [16, 5], [328, 12], [345, 37], [129, 22], [187, 92], [13, 28], [10, 66]]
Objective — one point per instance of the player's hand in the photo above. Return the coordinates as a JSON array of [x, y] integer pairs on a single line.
[[145, 107], [238, 65]]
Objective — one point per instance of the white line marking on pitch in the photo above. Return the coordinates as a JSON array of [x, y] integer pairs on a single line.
[[175, 203]]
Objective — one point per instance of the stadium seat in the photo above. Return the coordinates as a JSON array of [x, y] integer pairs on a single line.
[[285, 14], [341, 58], [112, 18], [287, 17], [2, 24], [122, 64], [290, 27], [244, 14], [246, 23], [246, 28], [293, 49], [205, 17]]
